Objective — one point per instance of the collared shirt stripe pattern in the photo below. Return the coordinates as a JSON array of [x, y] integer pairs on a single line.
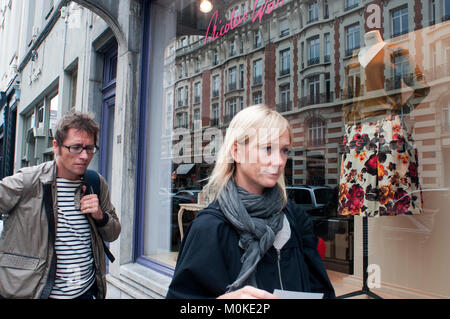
[[75, 271]]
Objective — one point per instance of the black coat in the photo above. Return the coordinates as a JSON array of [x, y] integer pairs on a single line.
[[209, 258]]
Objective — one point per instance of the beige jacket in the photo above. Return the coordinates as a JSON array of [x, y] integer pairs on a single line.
[[27, 256]]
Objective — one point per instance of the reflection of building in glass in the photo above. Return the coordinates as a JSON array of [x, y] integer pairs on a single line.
[[299, 60]]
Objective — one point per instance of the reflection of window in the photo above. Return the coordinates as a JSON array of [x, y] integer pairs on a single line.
[[215, 57], [350, 4], [197, 92], [285, 65], [215, 114], [232, 78], [316, 131], [352, 38], [313, 11], [197, 114], [197, 65], [257, 39], [401, 70], [284, 27], [241, 76], [285, 98], [181, 120], [233, 47], [257, 97], [446, 10], [314, 89], [326, 12], [181, 98], [215, 86], [399, 21], [314, 51], [257, 72], [327, 48], [432, 12], [446, 115]]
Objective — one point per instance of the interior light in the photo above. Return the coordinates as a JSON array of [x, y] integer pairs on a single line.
[[206, 6]]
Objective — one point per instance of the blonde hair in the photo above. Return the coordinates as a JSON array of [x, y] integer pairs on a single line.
[[248, 120]]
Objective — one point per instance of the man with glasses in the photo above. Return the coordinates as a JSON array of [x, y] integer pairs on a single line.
[[52, 242]]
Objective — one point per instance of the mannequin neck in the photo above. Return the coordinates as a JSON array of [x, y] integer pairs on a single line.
[[372, 38]]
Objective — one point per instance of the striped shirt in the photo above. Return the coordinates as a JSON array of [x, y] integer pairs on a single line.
[[74, 261]]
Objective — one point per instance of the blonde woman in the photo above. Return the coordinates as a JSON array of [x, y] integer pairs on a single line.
[[250, 240]]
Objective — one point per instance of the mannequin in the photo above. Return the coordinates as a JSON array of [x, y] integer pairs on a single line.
[[379, 165]]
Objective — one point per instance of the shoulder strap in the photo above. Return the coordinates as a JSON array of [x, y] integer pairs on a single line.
[[92, 179]]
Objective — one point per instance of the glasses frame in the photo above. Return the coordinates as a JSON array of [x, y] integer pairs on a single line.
[[83, 148]]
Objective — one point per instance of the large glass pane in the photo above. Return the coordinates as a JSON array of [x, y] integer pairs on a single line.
[[370, 120]]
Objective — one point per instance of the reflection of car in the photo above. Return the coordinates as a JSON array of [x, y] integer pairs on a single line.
[[186, 196], [316, 200]]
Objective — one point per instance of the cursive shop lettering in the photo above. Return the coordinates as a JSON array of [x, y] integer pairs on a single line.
[[216, 29]]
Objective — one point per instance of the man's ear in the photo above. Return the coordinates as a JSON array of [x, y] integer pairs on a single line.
[[55, 148]]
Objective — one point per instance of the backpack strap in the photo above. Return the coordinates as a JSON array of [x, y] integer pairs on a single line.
[[92, 179]]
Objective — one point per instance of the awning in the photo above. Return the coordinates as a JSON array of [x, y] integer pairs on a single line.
[[184, 169]]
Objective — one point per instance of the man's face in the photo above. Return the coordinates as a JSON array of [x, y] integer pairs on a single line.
[[70, 165]]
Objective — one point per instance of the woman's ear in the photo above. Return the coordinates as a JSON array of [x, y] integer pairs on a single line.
[[234, 152]]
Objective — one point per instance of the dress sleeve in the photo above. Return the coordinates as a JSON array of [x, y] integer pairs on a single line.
[[203, 266]]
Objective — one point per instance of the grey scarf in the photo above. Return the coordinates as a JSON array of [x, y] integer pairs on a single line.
[[257, 218]]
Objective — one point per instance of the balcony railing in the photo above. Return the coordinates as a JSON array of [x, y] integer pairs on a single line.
[[395, 82], [313, 61], [326, 59], [257, 79], [231, 86], [214, 121], [316, 99], [285, 106], [215, 93], [285, 71], [197, 99]]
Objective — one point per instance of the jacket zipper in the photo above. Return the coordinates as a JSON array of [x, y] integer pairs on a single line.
[[279, 268]]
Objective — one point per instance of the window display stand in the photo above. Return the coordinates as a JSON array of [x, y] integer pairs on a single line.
[[365, 289]]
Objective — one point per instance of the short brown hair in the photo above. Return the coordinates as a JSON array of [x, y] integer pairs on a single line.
[[79, 121]]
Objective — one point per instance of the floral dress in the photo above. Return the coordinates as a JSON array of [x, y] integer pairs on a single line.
[[379, 170]]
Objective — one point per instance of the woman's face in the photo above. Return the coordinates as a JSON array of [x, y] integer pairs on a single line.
[[260, 164]]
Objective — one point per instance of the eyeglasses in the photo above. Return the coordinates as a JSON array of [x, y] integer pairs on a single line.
[[77, 149]]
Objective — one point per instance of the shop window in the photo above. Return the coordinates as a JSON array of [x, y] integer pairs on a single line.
[[334, 118]]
